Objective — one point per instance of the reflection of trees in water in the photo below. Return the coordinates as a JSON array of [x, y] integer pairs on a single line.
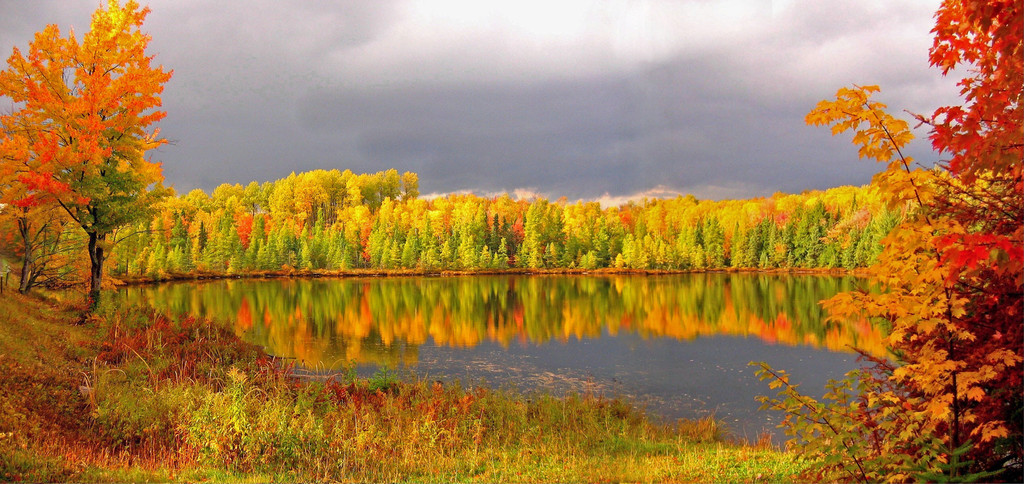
[[329, 322]]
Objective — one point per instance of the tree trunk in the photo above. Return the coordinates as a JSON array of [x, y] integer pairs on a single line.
[[96, 259], [27, 259], [25, 282]]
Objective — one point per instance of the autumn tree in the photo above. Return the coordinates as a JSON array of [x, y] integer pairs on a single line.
[[949, 404], [410, 186], [87, 107], [41, 243]]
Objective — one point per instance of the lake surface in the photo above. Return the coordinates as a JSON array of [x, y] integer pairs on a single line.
[[678, 344]]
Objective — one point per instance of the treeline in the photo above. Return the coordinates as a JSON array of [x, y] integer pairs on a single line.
[[333, 220]]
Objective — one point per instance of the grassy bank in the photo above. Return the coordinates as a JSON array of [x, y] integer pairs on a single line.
[[130, 395]]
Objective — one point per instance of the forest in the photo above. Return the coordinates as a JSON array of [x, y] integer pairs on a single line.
[[336, 221], [329, 220]]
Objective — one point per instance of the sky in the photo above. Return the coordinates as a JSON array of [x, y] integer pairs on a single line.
[[586, 99]]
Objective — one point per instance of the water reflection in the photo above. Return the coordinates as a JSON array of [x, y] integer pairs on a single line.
[[327, 323]]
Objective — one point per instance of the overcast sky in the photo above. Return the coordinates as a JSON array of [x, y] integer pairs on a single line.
[[572, 98]]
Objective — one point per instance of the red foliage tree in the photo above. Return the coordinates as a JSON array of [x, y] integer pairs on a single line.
[[950, 404]]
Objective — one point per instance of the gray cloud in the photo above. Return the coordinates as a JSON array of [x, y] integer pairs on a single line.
[[608, 98]]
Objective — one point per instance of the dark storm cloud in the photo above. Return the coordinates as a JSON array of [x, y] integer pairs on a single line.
[[676, 125], [488, 137], [704, 97]]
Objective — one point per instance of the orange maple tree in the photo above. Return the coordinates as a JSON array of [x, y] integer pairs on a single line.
[[948, 406], [82, 121]]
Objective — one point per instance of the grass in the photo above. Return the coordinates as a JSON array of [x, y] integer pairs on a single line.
[[132, 395]]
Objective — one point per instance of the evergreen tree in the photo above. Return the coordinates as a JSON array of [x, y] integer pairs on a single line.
[[251, 259], [531, 253], [201, 239], [829, 257], [447, 255], [394, 255], [197, 255], [589, 260], [551, 255], [602, 245], [431, 259], [501, 256], [179, 236], [157, 264], [410, 251], [739, 257], [305, 256], [714, 243], [849, 252], [485, 260], [467, 253]]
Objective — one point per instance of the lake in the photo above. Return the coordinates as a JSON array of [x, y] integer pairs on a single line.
[[677, 344]]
